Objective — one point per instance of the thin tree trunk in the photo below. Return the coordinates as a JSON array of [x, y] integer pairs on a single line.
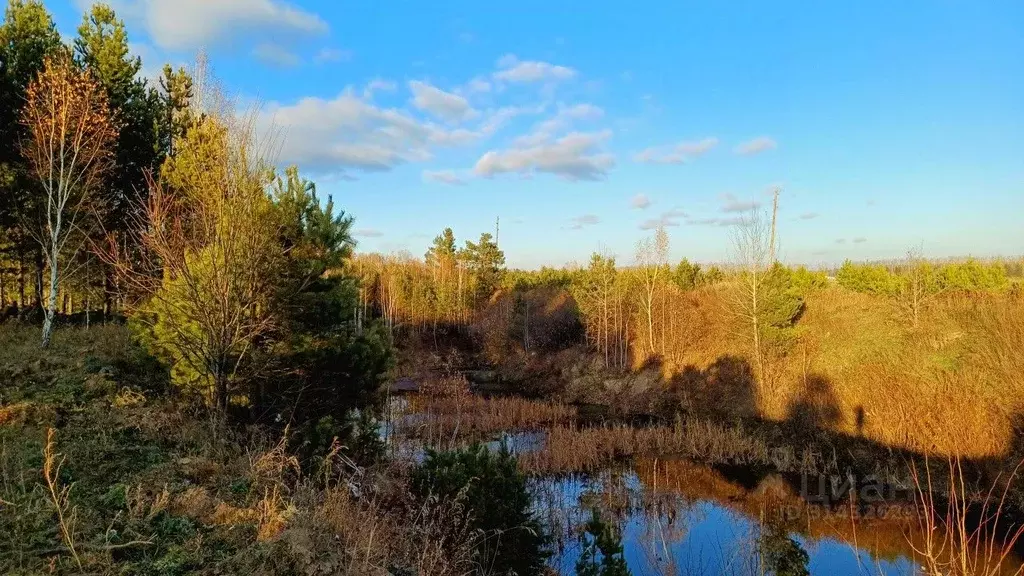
[[21, 283], [39, 278], [51, 307]]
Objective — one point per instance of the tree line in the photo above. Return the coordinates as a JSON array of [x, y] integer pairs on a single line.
[[628, 314], [651, 308]]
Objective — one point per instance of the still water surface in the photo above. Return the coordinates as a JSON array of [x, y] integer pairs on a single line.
[[682, 517]]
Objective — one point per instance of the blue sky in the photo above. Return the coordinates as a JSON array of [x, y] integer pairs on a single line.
[[886, 124]]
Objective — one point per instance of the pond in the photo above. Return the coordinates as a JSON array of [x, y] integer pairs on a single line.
[[676, 531], [682, 517]]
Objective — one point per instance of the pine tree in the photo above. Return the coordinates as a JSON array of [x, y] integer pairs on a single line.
[[486, 263], [102, 48], [176, 96], [27, 36]]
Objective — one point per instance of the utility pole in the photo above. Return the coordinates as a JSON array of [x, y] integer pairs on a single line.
[[775, 212]]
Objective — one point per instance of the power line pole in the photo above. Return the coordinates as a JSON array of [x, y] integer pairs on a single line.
[[775, 212]]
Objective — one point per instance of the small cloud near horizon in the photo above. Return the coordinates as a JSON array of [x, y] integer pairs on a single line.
[[667, 219], [585, 220], [731, 204], [333, 55], [640, 202], [443, 177], [756, 146]]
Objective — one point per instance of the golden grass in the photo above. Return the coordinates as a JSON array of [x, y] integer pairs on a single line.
[[952, 385], [475, 416], [13, 413], [574, 449]]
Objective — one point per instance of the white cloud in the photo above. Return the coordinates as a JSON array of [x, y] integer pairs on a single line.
[[275, 55], [562, 120], [192, 24], [731, 204], [494, 120], [584, 220], [444, 105], [443, 177], [733, 221], [378, 85], [808, 215], [478, 85], [576, 156], [351, 132], [640, 202], [756, 146], [333, 55], [676, 153], [513, 70], [367, 233], [584, 111]]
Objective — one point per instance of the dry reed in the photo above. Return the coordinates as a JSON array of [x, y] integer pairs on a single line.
[[574, 449], [966, 539], [475, 416]]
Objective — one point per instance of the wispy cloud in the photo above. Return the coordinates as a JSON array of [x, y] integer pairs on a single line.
[[188, 25], [512, 69], [351, 131], [478, 85], [378, 85], [640, 202], [809, 215], [333, 55], [576, 156], [367, 233], [756, 146], [584, 220], [675, 154], [731, 204], [444, 105], [731, 221], [443, 177], [667, 219], [860, 240], [840, 240]]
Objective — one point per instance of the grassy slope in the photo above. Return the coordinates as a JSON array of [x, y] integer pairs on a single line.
[[153, 489], [952, 385]]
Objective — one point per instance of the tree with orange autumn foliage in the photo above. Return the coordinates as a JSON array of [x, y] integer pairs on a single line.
[[69, 150]]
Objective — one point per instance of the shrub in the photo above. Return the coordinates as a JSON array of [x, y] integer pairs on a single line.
[[972, 275], [871, 279], [497, 505]]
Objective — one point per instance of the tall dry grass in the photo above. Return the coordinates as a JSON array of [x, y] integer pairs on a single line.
[[573, 449], [953, 384], [470, 416]]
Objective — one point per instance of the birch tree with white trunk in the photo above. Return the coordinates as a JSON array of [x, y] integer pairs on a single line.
[[69, 149]]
